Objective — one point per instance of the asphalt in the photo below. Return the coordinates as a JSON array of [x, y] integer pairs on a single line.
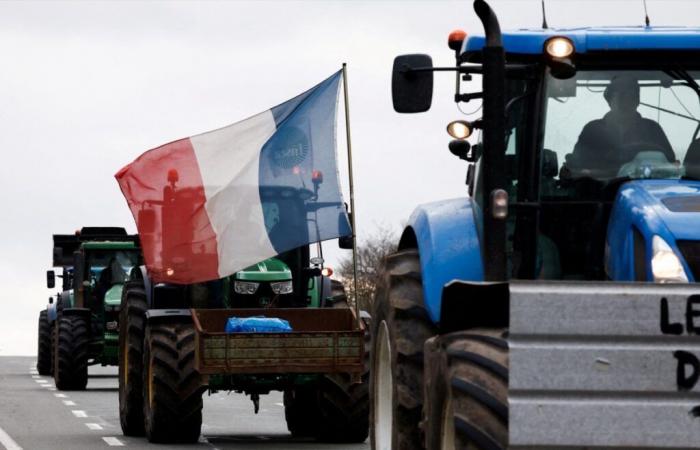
[[34, 415]]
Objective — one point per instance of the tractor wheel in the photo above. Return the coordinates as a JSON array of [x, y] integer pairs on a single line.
[[400, 327], [132, 324], [43, 354], [301, 412], [344, 406], [466, 395], [172, 387], [70, 370]]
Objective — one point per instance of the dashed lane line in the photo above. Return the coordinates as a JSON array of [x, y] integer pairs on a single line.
[[94, 426], [79, 413], [114, 442], [61, 395], [8, 442], [69, 402]]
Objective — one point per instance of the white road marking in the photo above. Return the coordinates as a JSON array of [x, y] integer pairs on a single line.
[[51, 388], [36, 376], [280, 404], [79, 413], [61, 395], [41, 381], [8, 442], [94, 426], [69, 402], [114, 442]]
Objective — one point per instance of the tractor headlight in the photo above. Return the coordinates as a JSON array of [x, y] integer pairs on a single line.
[[665, 264], [245, 287], [282, 287]]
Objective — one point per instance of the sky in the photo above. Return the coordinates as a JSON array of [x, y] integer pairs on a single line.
[[85, 87]]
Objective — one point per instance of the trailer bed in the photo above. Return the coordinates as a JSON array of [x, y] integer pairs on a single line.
[[324, 340]]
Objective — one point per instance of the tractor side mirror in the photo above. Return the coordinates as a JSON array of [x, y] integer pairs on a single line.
[[50, 279], [345, 242], [412, 90], [146, 221]]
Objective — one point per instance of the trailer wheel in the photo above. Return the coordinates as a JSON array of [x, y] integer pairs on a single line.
[[301, 411], [43, 354], [71, 353], [172, 387], [400, 326], [466, 391], [132, 324]]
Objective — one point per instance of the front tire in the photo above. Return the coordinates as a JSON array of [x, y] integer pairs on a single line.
[[400, 326], [466, 394], [43, 354], [71, 353], [172, 387], [132, 324]]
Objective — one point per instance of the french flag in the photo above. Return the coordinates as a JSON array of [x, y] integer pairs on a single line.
[[212, 204]]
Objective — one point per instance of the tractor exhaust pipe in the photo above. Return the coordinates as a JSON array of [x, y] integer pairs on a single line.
[[494, 118]]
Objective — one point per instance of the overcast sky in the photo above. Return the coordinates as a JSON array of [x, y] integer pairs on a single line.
[[85, 87]]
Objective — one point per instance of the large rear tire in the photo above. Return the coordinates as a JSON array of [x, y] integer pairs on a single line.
[[466, 394], [301, 411], [400, 326], [71, 353], [172, 387], [344, 405], [43, 354], [132, 325]]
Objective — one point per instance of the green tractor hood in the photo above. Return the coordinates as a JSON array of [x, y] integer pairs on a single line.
[[269, 270], [113, 297]]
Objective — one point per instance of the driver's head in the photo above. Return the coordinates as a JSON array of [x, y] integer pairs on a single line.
[[622, 94]]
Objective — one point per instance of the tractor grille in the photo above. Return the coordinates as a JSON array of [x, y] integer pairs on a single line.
[[691, 253]]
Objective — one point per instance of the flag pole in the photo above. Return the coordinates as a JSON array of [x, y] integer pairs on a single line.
[[352, 193]]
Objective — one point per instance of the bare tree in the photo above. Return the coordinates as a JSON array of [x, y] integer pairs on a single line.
[[370, 254]]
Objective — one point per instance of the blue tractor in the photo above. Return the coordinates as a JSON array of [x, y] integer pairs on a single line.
[[555, 305]]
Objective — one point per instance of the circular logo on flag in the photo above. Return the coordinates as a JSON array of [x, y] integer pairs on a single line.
[[291, 149]]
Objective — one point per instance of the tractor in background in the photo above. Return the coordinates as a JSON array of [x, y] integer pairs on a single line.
[[80, 328], [174, 346], [555, 304]]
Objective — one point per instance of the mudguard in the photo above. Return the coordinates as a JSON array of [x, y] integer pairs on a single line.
[[666, 208], [447, 239]]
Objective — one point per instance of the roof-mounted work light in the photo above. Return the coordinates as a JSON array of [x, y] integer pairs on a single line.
[[559, 47], [560, 52]]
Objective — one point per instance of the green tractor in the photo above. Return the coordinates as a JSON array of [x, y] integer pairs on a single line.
[[174, 345], [81, 327]]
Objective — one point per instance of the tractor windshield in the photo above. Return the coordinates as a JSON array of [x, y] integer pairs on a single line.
[[118, 263], [608, 125]]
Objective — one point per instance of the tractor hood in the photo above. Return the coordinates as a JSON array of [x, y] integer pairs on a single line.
[[269, 270], [666, 206], [113, 297], [643, 209]]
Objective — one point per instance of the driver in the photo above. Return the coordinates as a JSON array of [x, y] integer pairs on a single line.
[[600, 146]]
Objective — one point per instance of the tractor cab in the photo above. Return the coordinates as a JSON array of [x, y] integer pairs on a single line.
[[592, 116]]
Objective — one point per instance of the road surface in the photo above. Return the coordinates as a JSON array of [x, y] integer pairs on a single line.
[[34, 415]]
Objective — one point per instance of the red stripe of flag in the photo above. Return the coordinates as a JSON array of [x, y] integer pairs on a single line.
[[165, 193]]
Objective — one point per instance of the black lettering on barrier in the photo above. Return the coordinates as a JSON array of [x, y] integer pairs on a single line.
[[666, 327], [685, 381], [691, 313]]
